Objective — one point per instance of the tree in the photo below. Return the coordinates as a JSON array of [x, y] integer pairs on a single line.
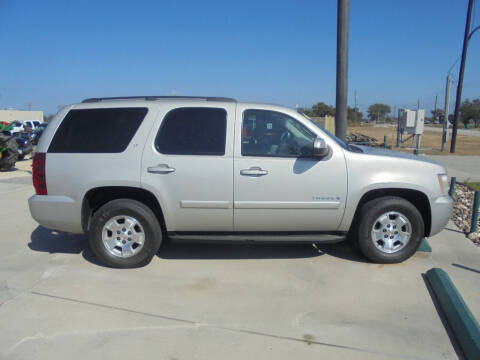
[[378, 111], [304, 111], [391, 119], [321, 109], [470, 111], [48, 118], [354, 115], [438, 114]]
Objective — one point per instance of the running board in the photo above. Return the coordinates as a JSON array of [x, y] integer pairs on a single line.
[[323, 238]]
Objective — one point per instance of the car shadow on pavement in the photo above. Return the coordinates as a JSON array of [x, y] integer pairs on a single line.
[[51, 241], [209, 251], [343, 250]]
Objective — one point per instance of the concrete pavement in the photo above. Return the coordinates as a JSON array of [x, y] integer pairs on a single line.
[[463, 167], [466, 132], [219, 301]]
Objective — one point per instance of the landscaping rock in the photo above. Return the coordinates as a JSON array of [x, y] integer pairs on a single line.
[[462, 211]]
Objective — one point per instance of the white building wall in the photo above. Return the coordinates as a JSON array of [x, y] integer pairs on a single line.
[[21, 115]]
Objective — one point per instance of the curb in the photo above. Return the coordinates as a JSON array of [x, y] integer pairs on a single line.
[[461, 320]]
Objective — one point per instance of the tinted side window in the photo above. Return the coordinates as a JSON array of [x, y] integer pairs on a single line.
[[271, 133], [193, 131], [97, 130]]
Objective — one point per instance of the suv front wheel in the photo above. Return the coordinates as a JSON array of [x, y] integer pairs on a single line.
[[390, 229], [124, 233]]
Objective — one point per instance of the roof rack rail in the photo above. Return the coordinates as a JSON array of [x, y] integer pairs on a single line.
[[206, 98]]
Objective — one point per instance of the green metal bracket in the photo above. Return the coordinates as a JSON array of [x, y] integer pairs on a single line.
[[453, 182], [474, 223]]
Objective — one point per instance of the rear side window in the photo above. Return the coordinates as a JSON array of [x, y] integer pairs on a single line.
[[97, 130], [193, 131]]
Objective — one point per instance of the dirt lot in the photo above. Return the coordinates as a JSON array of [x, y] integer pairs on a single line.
[[431, 141]]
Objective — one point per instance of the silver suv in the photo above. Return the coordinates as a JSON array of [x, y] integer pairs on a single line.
[[131, 172]]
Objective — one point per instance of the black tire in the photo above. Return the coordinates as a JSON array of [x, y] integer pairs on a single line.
[[126, 207], [10, 155], [21, 157], [371, 211]]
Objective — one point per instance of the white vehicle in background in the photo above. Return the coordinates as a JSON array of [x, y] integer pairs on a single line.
[[17, 127], [32, 123]]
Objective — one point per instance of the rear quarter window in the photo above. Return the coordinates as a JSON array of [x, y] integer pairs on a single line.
[[193, 131], [97, 130]]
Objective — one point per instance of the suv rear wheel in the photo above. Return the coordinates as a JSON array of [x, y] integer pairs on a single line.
[[124, 233], [390, 229]]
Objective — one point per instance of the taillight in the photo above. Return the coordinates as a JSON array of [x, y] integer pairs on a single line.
[[39, 174]]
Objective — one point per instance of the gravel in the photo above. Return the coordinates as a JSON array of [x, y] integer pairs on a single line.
[[462, 211]]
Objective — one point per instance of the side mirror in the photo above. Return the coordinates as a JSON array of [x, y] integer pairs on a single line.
[[320, 148]]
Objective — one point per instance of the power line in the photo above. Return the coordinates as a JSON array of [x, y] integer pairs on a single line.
[[455, 63]]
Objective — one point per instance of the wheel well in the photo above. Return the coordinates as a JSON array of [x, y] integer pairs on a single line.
[[417, 198], [97, 197]]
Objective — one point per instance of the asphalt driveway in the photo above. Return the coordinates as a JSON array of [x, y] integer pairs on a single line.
[[219, 301]]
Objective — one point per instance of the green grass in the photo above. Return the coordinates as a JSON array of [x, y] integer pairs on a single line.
[[475, 185]]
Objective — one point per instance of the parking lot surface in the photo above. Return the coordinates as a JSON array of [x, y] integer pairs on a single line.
[[463, 167], [219, 301]]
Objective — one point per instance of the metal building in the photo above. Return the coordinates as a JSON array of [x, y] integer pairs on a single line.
[[20, 115]]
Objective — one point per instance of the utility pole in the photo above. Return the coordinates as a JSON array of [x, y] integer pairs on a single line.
[[435, 109], [458, 101], [446, 110], [399, 133], [418, 137], [356, 109], [343, 11]]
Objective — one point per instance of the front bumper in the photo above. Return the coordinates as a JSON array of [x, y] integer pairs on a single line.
[[441, 210]]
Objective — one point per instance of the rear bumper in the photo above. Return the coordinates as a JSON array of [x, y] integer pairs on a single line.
[[441, 212], [56, 212]]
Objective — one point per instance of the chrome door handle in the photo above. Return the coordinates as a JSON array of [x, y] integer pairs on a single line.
[[160, 169], [254, 171]]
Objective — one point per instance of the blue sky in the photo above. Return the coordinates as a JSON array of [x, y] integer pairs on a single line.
[[60, 52]]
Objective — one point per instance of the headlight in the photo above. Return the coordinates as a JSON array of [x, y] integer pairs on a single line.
[[443, 182]]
